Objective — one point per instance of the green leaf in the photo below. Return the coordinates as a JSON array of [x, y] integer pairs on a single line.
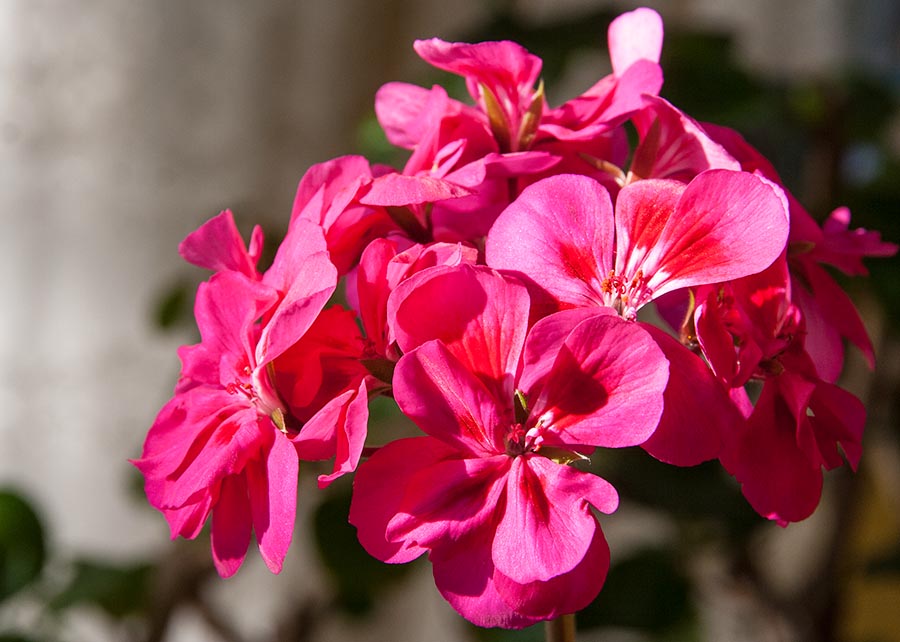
[[118, 590], [22, 547]]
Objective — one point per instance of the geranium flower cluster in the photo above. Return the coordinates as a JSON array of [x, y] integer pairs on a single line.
[[496, 285]]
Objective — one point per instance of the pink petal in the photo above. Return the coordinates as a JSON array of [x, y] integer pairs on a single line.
[[399, 107], [777, 477], [674, 145], [323, 183], [548, 527], [231, 526], [506, 68], [566, 593], [399, 190], [558, 233], [226, 309], [726, 225], [304, 274], [697, 410], [835, 308], [447, 500], [714, 337], [449, 403], [480, 316], [272, 484], [635, 35], [605, 387], [838, 419], [546, 338], [378, 488], [220, 451], [351, 437], [464, 572], [217, 245]]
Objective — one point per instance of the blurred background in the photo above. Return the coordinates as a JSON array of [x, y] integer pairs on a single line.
[[124, 125]]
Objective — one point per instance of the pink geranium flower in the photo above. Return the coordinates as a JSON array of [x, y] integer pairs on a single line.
[[227, 444], [563, 236], [488, 493]]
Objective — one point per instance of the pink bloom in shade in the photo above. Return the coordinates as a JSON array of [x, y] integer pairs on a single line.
[[829, 313], [223, 444], [750, 329], [794, 431], [487, 493]]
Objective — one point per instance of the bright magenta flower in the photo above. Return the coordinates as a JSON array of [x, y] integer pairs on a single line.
[[487, 494], [563, 236], [226, 443]]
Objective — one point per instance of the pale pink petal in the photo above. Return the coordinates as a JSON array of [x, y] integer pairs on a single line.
[[548, 527], [449, 403], [272, 485], [231, 526], [399, 108], [697, 408], [378, 488], [605, 387], [217, 245], [558, 233], [480, 316], [398, 190], [566, 593], [641, 79], [635, 35]]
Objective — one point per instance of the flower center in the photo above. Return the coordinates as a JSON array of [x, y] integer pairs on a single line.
[[625, 296], [520, 441], [256, 387]]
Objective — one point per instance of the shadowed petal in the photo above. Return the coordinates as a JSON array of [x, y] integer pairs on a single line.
[[272, 484], [231, 526], [378, 488]]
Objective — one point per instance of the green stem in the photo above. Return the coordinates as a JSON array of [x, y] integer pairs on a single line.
[[562, 629]]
